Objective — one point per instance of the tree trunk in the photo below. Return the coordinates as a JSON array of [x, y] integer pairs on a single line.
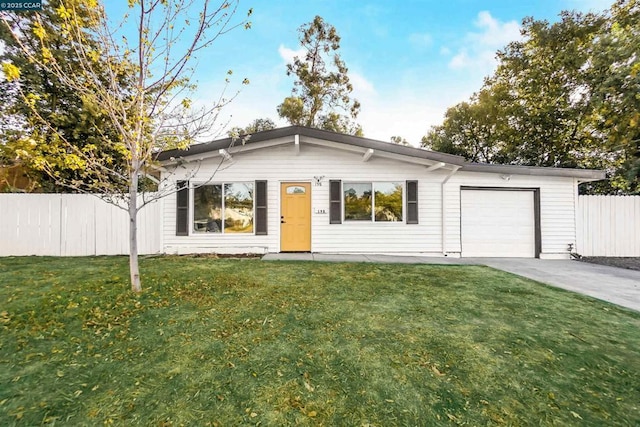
[[134, 270]]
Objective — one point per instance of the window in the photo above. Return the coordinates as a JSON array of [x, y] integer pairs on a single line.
[[223, 208], [238, 208], [388, 201], [378, 201], [296, 189], [357, 201]]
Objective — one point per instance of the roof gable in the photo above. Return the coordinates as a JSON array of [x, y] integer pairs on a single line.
[[298, 134], [318, 134]]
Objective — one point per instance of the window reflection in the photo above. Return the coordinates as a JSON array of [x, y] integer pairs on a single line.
[[227, 208], [357, 201]]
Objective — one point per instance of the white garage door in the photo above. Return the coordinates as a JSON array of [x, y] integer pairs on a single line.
[[498, 223]]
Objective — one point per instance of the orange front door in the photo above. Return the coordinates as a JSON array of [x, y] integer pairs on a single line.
[[295, 217]]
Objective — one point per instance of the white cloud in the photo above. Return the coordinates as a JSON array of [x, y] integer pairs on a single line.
[[409, 108], [361, 86], [494, 33], [461, 60], [421, 39], [405, 116], [479, 48], [288, 55]]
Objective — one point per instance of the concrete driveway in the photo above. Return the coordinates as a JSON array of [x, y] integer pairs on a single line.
[[615, 285]]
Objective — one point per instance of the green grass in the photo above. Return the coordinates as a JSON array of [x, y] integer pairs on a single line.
[[248, 342]]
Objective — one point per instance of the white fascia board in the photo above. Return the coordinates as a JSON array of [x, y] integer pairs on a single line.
[[231, 150], [378, 153]]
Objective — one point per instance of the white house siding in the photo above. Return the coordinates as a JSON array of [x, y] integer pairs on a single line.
[[557, 210], [278, 164]]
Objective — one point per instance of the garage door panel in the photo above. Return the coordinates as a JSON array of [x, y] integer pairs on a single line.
[[497, 223]]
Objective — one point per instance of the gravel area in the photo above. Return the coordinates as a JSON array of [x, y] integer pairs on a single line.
[[631, 263]]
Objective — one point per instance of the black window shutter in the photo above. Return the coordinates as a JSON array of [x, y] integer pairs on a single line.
[[335, 202], [412, 202], [261, 207], [182, 208]]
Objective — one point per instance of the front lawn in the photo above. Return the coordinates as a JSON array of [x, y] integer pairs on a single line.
[[249, 342]]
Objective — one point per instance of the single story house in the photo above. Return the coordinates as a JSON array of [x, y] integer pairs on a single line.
[[298, 189]]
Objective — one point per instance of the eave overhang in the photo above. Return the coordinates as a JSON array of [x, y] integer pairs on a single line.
[[368, 149], [582, 174], [299, 135]]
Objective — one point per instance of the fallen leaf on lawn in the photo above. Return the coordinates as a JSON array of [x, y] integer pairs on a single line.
[[436, 371], [308, 386], [575, 415], [312, 414]]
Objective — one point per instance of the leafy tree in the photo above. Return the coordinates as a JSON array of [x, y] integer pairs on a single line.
[[547, 78], [15, 178], [153, 112], [396, 139], [61, 114], [388, 204], [615, 79], [476, 129], [321, 94], [258, 125], [564, 97]]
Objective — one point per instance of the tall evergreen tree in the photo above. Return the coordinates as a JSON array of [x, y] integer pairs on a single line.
[[321, 96]]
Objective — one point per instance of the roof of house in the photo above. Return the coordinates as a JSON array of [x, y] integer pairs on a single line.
[[457, 162]]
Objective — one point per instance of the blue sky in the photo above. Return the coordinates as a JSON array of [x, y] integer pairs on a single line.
[[408, 60]]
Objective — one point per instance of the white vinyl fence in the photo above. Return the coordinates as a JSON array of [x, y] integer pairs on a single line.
[[72, 225], [608, 226]]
